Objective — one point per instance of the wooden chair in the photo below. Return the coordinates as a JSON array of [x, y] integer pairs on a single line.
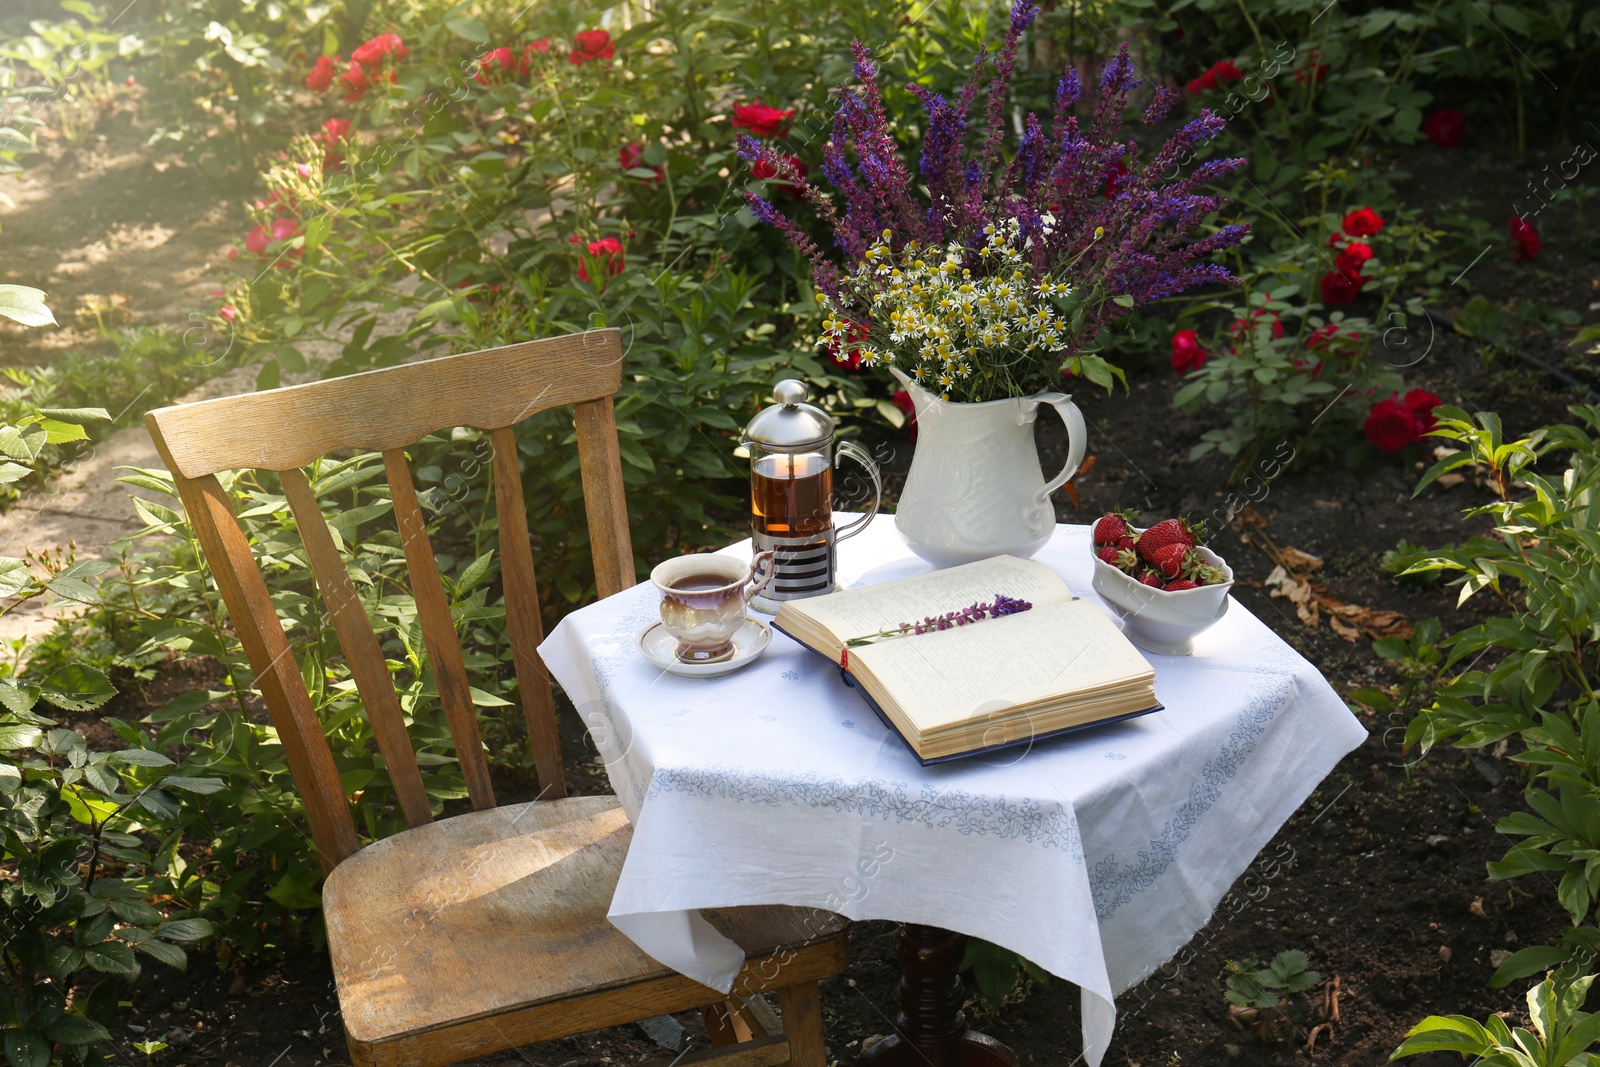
[[487, 931]]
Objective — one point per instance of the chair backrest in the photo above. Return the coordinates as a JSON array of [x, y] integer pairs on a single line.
[[383, 411]]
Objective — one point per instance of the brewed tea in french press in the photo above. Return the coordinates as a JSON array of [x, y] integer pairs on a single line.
[[792, 456]]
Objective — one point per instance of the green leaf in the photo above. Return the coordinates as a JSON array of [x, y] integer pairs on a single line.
[[18, 699], [468, 30], [140, 757], [111, 957], [76, 414], [171, 955], [486, 700], [12, 472], [185, 930], [24, 304], [1445, 1033], [77, 688], [192, 785], [1125, 300], [59, 433], [26, 1048], [14, 576], [76, 1030], [15, 737]]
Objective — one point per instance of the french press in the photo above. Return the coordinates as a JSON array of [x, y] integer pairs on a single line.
[[792, 456]]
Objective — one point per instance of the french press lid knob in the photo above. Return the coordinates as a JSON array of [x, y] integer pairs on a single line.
[[790, 425]]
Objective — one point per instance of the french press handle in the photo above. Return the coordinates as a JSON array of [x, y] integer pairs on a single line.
[[859, 454]]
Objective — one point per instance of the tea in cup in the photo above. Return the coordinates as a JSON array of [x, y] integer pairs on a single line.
[[704, 598]]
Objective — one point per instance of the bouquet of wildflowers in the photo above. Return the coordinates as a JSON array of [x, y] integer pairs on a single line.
[[984, 277]]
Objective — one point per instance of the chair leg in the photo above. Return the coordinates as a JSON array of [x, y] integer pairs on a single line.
[[719, 1024], [802, 1024]]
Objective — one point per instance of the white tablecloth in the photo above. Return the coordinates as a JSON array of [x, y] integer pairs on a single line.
[[1097, 855]]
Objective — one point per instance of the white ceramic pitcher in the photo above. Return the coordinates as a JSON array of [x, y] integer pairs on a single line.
[[975, 488]]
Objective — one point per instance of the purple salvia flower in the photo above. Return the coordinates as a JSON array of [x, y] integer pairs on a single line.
[[1023, 12]]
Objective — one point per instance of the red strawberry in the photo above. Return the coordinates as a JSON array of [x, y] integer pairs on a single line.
[[1178, 584], [1169, 532], [1127, 543], [1150, 578], [1108, 554], [1172, 560], [1110, 528]]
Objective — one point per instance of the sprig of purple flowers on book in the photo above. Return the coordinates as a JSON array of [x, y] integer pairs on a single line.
[[1001, 605]]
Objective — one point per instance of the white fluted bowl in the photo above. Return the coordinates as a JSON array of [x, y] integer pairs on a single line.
[[1156, 620]]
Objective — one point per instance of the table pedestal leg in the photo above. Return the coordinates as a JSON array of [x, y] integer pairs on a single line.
[[932, 1030]]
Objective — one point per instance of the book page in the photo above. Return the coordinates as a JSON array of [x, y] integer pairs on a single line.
[[868, 609], [942, 679]]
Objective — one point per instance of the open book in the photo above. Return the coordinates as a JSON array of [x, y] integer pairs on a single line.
[[999, 682]]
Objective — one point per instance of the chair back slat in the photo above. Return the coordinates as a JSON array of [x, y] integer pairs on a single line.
[[277, 673], [524, 628], [601, 462], [439, 631], [361, 649], [378, 410]]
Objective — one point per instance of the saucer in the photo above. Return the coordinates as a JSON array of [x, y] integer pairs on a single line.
[[660, 648]]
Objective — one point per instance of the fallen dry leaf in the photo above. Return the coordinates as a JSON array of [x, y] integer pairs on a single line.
[[1072, 487], [1248, 516], [1476, 908], [1296, 560]]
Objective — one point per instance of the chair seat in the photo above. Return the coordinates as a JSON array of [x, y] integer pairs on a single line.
[[498, 910]]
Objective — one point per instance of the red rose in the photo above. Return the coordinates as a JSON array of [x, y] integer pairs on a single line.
[[1330, 335], [902, 400], [385, 45], [1314, 71], [1526, 236], [610, 248], [761, 120], [1353, 257], [631, 157], [1239, 325], [494, 65], [1389, 426], [1444, 128], [322, 73], [591, 44], [1363, 223], [850, 359], [283, 229], [334, 131], [767, 172], [355, 82], [228, 312], [1419, 404], [1113, 178], [1187, 355], [1340, 287], [257, 240], [1223, 71], [541, 47]]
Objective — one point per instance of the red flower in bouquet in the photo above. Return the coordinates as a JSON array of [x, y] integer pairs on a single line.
[[1187, 354], [1389, 426], [631, 157], [1526, 237], [1419, 403], [1363, 222], [322, 73], [591, 45], [1340, 287], [1444, 128], [384, 46], [608, 247], [1353, 257], [762, 120]]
